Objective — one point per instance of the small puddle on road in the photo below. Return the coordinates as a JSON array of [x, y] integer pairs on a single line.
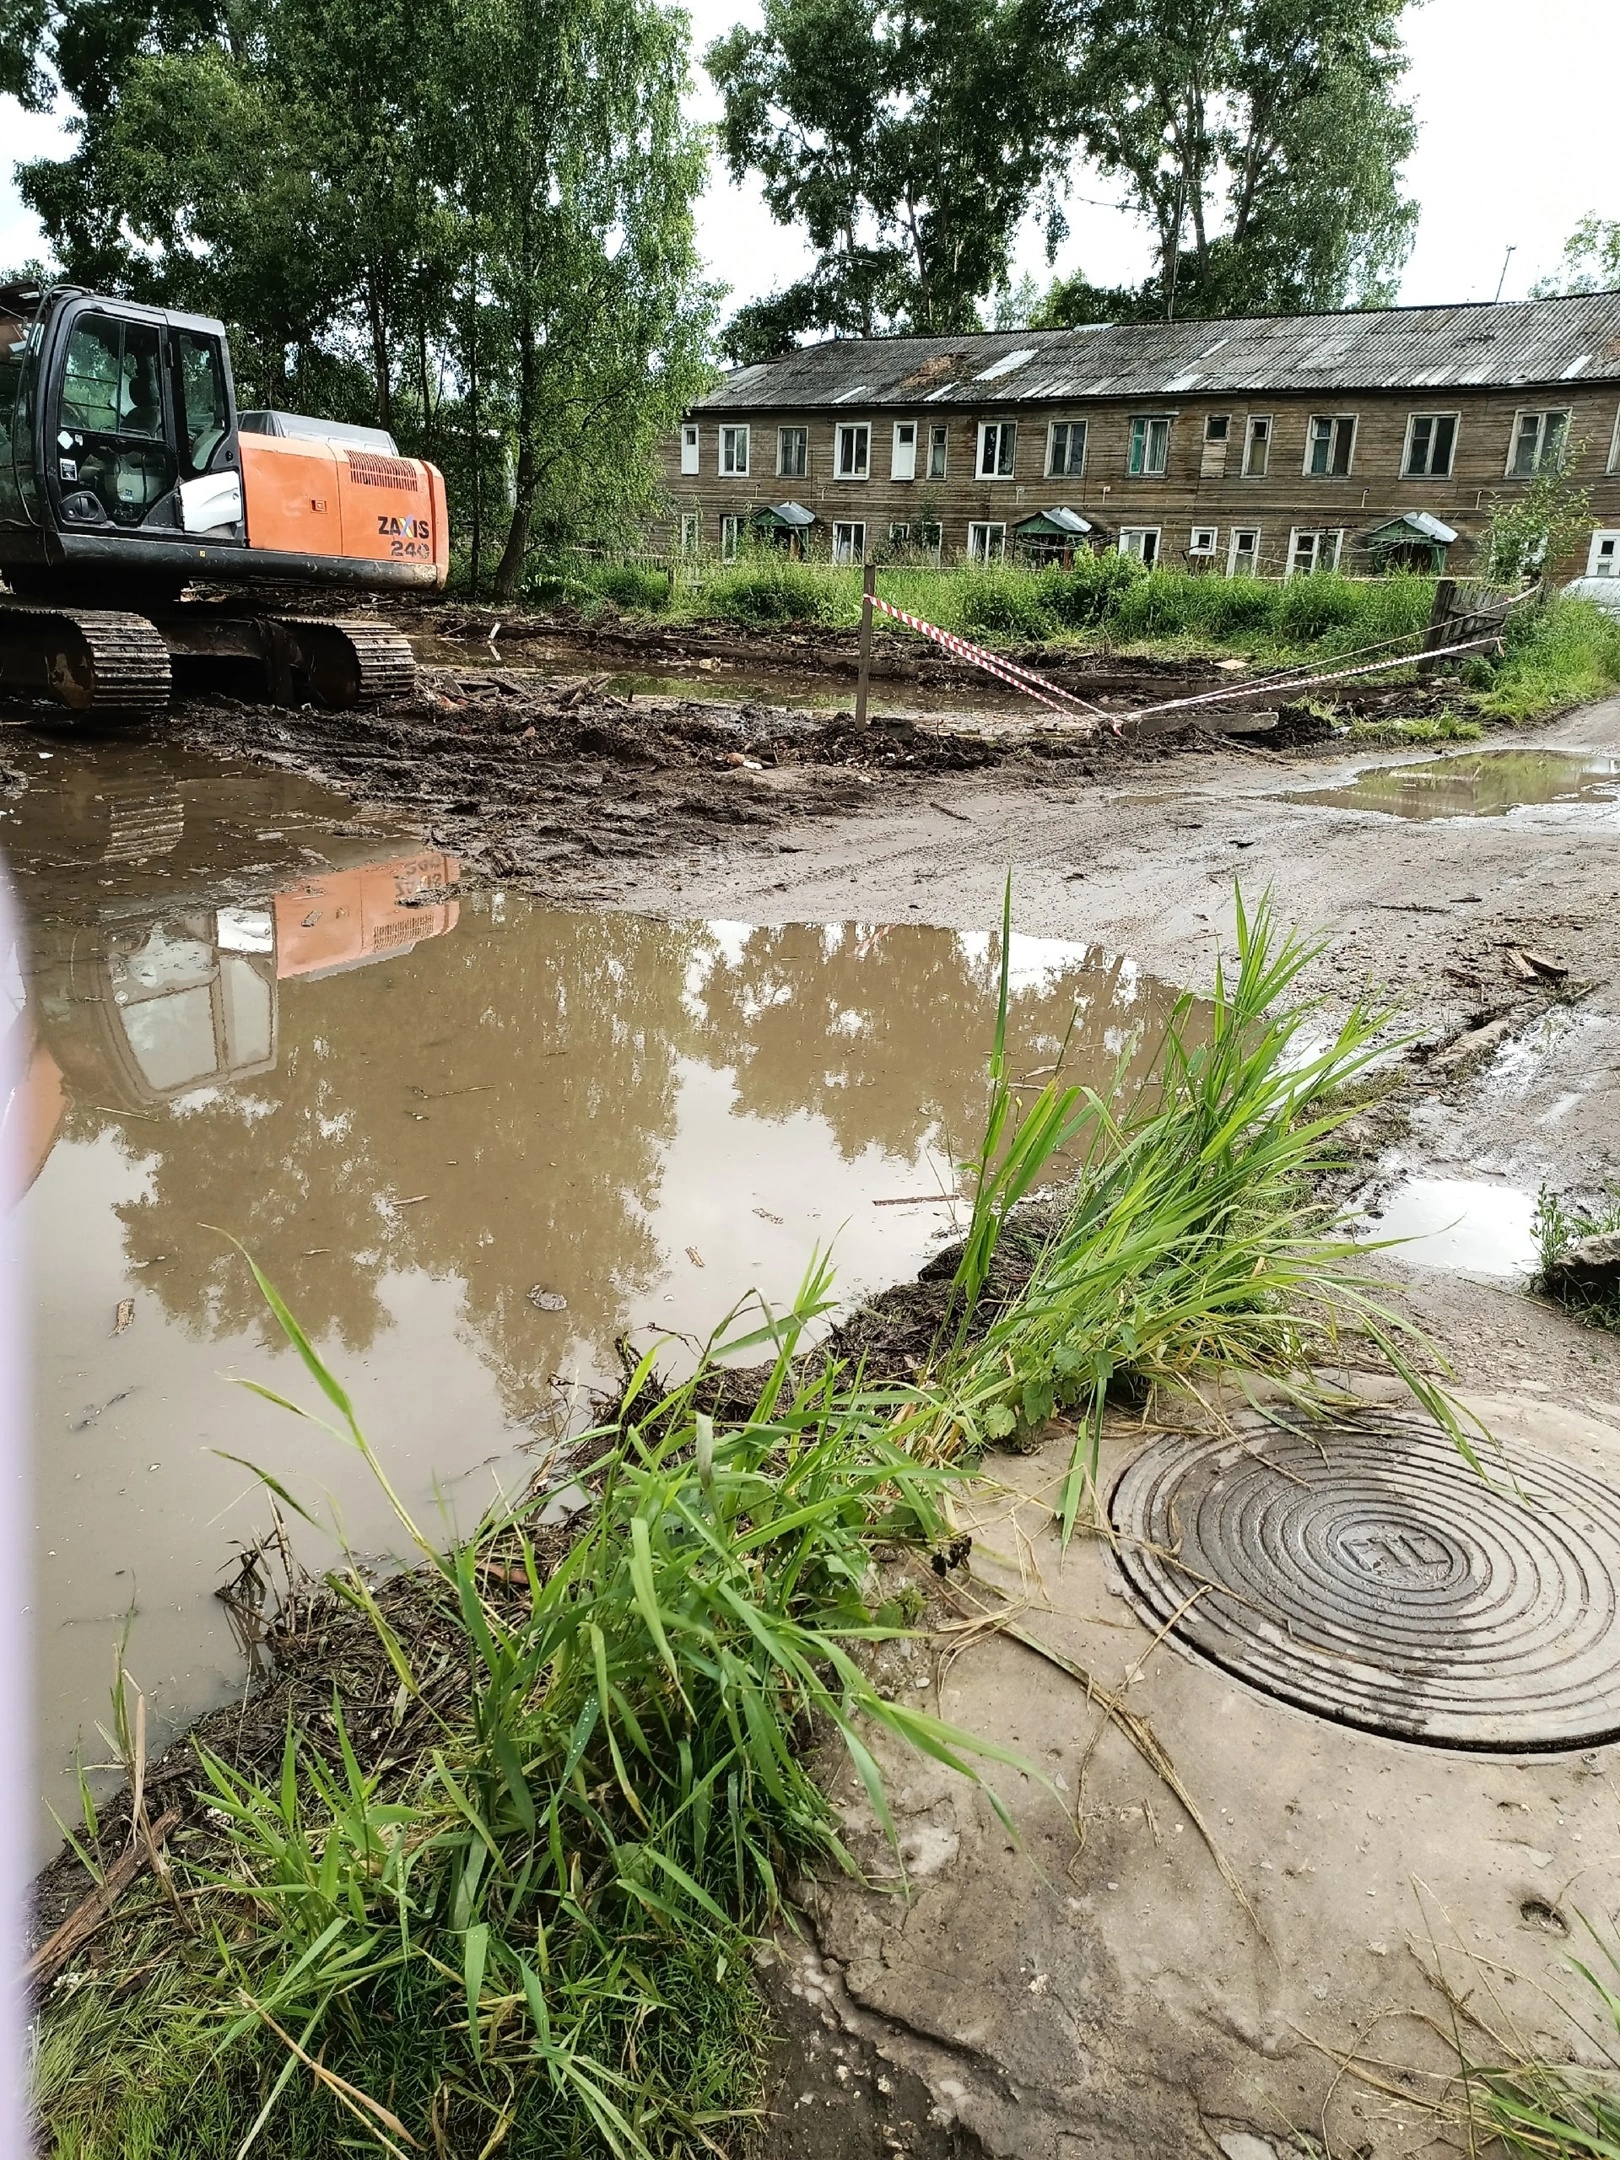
[[470, 1139], [1492, 784], [1461, 1224], [725, 683]]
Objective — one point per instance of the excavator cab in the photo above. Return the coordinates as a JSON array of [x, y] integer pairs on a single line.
[[122, 434], [127, 476]]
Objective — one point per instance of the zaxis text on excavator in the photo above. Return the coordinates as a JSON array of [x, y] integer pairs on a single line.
[[128, 479]]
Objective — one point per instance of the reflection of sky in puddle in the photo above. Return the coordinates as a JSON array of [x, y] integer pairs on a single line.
[[1460, 1224], [1492, 783], [422, 1114]]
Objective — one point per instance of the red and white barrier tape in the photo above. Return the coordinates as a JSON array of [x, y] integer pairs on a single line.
[[1056, 699], [1050, 694]]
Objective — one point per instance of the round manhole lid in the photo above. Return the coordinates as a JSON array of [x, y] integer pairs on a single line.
[[1371, 1577]]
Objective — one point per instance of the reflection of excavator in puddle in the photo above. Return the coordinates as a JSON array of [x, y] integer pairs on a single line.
[[129, 1013], [127, 475]]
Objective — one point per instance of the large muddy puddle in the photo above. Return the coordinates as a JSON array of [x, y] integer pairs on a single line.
[[1492, 783], [470, 1139], [714, 681]]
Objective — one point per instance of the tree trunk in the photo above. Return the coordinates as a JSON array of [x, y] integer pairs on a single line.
[[528, 475], [379, 354]]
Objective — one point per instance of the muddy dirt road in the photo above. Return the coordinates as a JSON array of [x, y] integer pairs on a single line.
[[653, 852]]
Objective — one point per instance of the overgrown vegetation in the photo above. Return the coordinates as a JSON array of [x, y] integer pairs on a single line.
[[1564, 653], [1556, 1226], [526, 1927]]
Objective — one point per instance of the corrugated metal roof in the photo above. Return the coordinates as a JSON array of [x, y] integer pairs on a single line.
[[1482, 345]]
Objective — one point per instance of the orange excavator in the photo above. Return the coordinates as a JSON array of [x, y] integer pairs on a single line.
[[129, 480]]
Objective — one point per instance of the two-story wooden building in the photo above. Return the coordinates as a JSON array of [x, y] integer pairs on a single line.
[[1278, 445]]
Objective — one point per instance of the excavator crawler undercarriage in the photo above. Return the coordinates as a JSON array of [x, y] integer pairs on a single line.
[[105, 663]]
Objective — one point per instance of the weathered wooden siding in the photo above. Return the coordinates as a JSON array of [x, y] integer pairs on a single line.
[[1194, 489]]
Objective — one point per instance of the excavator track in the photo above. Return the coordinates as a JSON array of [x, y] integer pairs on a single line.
[[340, 660], [99, 662]]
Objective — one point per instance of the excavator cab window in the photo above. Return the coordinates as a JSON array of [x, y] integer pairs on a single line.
[[205, 421], [19, 498], [115, 459]]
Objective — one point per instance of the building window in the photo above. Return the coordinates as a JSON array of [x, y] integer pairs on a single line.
[[1140, 542], [849, 540], [1150, 448], [1614, 446], [986, 543], [1066, 450], [937, 438], [1603, 557], [734, 452], [691, 527], [689, 448], [1329, 442], [1431, 437], [1312, 551], [1257, 447], [998, 442], [1217, 427], [903, 457], [854, 450], [731, 531], [1538, 441], [1243, 551], [792, 452], [1203, 540], [1217, 430], [930, 539], [899, 536]]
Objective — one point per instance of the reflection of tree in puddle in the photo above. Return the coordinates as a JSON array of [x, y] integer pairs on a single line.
[[492, 1104], [885, 1032]]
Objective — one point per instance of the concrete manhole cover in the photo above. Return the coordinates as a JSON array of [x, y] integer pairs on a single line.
[[1375, 1580]]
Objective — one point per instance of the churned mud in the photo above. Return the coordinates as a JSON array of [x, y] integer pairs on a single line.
[[572, 1007]]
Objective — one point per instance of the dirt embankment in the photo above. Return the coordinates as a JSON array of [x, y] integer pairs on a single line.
[[526, 778]]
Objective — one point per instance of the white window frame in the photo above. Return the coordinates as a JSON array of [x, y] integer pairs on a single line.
[[1068, 470], [1004, 459], [986, 540], [1541, 414], [1614, 446], [1142, 535], [1141, 433], [1204, 540], [903, 451], [1252, 555], [850, 435], [849, 541], [1320, 558], [1412, 420], [785, 471], [691, 531], [939, 450], [734, 439], [691, 447], [1335, 421], [1605, 536], [1268, 422], [731, 532]]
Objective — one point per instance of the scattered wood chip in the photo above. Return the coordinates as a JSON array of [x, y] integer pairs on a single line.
[[694, 1256], [80, 1924], [1553, 970], [765, 1215], [126, 1316]]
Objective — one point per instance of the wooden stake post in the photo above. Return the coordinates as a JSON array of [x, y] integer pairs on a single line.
[[864, 679]]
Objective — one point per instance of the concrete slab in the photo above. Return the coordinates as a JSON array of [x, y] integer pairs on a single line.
[[1094, 1987]]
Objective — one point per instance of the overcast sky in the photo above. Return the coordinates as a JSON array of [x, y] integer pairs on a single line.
[[1516, 144]]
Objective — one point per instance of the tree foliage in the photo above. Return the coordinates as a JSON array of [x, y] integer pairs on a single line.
[[1590, 261], [471, 223], [1261, 142], [908, 143]]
